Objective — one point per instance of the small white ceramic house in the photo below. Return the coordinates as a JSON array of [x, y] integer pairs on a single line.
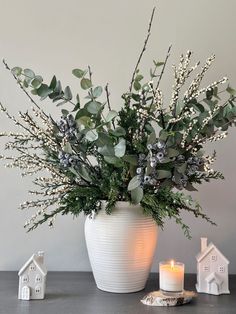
[[212, 270], [32, 278]]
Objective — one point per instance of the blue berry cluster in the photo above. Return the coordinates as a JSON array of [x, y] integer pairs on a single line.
[[67, 126], [68, 160]]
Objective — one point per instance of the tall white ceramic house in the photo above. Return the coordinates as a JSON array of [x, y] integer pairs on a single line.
[[32, 278], [212, 270]]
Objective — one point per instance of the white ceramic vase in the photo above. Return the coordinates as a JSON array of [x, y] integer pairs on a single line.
[[121, 247]]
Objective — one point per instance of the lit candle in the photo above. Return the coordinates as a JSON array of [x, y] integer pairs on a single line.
[[171, 276]]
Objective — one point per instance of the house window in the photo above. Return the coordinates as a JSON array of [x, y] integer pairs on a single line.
[[221, 269], [214, 258], [37, 289], [25, 278], [206, 268], [32, 267], [38, 278]]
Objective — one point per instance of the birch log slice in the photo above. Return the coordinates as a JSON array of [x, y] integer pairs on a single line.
[[157, 298]]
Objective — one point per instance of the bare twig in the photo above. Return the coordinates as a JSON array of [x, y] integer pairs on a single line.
[[108, 102], [163, 68], [143, 50], [158, 84]]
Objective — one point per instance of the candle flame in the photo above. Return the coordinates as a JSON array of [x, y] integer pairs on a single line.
[[172, 263]]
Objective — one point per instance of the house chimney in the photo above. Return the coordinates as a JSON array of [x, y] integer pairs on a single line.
[[203, 244], [41, 257]]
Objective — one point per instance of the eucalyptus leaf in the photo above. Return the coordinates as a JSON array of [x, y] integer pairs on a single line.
[[43, 91], [78, 73], [137, 85], [93, 107], [179, 107], [139, 77], [36, 82], [132, 159], [67, 148], [58, 88], [53, 83], [91, 135], [61, 103], [137, 195], [85, 83], [182, 168], [111, 115], [84, 120], [171, 152], [67, 93], [106, 150], [77, 106], [97, 91], [29, 73], [64, 112], [119, 131], [83, 172], [81, 113], [158, 64], [120, 148], [113, 160], [152, 138], [16, 71], [134, 183], [103, 139], [162, 174]]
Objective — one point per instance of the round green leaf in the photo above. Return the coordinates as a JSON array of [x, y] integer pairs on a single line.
[[37, 81], [111, 115], [67, 93], [97, 91], [16, 71], [120, 148], [134, 183], [91, 135], [85, 83], [78, 73], [29, 73], [137, 195], [162, 174], [93, 107]]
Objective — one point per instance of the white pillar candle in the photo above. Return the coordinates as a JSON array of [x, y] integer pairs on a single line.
[[171, 276]]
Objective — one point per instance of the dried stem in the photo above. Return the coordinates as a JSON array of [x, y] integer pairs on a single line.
[[163, 68], [108, 102], [143, 50]]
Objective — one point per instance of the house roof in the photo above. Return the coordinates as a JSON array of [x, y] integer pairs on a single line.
[[207, 250], [33, 258]]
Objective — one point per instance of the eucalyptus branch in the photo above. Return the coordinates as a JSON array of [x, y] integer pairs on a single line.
[[143, 50], [23, 89]]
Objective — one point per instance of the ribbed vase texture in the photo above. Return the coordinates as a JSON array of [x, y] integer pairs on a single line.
[[121, 247]]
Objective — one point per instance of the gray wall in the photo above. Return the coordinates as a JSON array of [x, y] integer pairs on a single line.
[[57, 36]]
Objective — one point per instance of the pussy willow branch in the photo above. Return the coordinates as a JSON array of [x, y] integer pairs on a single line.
[[108, 102], [158, 84], [143, 50], [163, 68]]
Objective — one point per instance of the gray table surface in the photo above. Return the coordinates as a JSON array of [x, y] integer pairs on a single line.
[[76, 293]]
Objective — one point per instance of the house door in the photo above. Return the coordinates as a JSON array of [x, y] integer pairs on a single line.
[[25, 293], [214, 288]]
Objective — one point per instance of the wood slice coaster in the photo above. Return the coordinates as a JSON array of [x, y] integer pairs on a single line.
[[157, 298]]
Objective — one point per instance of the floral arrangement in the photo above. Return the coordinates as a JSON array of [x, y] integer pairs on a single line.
[[147, 152]]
